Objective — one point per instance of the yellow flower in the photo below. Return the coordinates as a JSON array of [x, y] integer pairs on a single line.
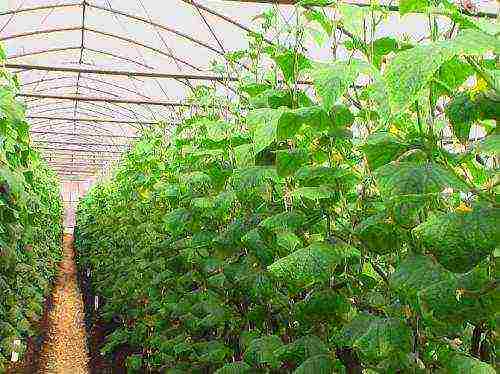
[[463, 208], [393, 130], [481, 85], [144, 193]]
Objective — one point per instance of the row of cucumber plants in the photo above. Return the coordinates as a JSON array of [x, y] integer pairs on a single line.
[[352, 229], [30, 227]]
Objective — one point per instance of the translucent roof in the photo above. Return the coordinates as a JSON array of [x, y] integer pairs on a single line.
[[93, 72]]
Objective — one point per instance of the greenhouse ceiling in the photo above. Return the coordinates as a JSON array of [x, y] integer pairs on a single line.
[[93, 73]]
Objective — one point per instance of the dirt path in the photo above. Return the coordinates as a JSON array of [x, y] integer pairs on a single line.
[[65, 347]]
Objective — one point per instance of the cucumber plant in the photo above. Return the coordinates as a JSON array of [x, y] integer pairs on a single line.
[[350, 228], [30, 226]]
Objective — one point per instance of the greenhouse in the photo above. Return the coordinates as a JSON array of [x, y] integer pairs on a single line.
[[253, 186]]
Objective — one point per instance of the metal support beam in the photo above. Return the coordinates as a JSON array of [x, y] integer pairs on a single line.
[[40, 32], [137, 74], [105, 100], [80, 144], [97, 120], [67, 156], [38, 8], [121, 72], [84, 111], [33, 53], [83, 134], [101, 151]]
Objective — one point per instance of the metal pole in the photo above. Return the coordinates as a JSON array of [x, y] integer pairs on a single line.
[[121, 72], [104, 99]]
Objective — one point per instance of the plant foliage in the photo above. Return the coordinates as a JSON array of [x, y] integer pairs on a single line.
[[30, 226], [348, 229]]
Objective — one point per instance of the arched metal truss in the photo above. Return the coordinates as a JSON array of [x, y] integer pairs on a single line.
[[111, 68]]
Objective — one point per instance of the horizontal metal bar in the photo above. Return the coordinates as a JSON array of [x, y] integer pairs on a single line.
[[40, 32], [81, 110], [103, 99], [77, 157], [76, 171], [92, 120], [106, 53], [143, 74], [80, 150], [127, 73], [33, 53], [84, 134], [82, 144], [38, 8], [78, 162], [86, 78]]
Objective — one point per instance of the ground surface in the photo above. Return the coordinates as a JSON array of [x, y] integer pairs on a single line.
[[65, 347]]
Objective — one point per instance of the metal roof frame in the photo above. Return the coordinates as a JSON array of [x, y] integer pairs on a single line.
[[116, 106]]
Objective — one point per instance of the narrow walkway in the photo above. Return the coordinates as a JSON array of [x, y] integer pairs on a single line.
[[65, 348]]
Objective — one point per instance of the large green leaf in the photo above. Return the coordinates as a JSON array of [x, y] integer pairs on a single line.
[[263, 124], [411, 70], [352, 18], [272, 98], [381, 47], [461, 363], [308, 265], [253, 176], [289, 161], [415, 273], [489, 145], [217, 130], [261, 351], [291, 64], [331, 81], [286, 220], [288, 239], [451, 75], [234, 368], [322, 306], [9, 106], [313, 193], [322, 175], [292, 120], [461, 240], [460, 299], [381, 148], [401, 178], [462, 113], [377, 338], [244, 155], [302, 349], [321, 364], [413, 6], [410, 187], [380, 235]]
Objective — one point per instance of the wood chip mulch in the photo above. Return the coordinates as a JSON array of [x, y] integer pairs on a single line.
[[65, 348]]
